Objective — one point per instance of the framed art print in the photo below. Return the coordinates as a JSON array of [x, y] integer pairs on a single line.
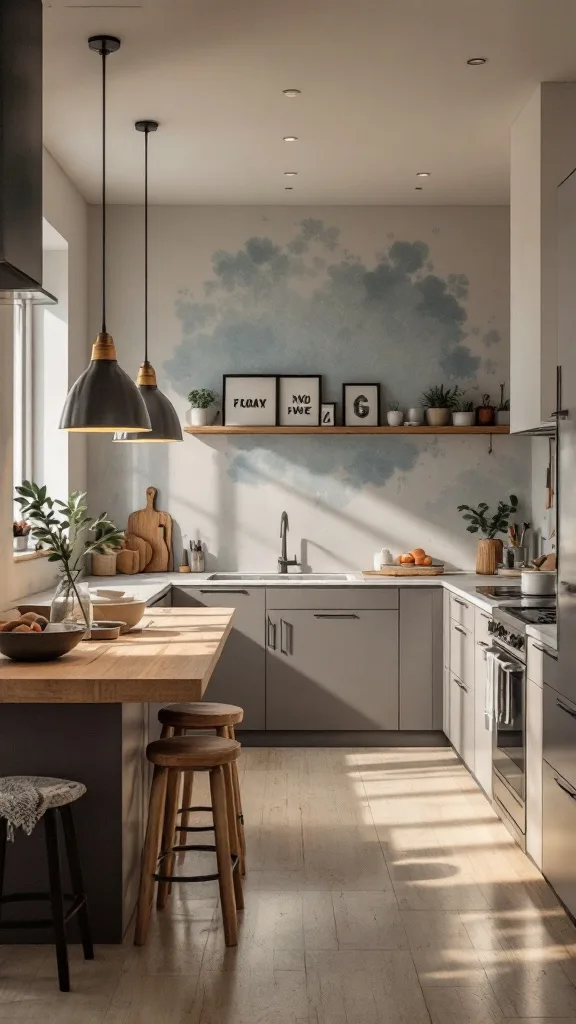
[[249, 400], [361, 404], [328, 414], [299, 400]]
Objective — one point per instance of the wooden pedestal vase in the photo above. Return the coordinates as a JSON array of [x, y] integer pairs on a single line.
[[488, 555]]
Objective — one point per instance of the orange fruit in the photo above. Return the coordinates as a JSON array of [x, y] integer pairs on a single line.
[[407, 559], [417, 551], [419, 559], [427, 560]]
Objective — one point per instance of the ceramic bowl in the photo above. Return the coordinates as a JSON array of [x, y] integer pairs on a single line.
[[57, 639], [106, 630], [129, 612]]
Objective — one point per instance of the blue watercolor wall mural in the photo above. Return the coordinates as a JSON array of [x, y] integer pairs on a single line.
[[407, 297]]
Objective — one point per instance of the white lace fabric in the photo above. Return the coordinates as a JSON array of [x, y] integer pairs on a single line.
[[25, 798]]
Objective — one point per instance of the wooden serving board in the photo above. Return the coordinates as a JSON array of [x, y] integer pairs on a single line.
[[406, 570], [156, 528]]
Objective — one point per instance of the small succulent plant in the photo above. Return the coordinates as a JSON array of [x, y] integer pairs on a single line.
[[439, 397]]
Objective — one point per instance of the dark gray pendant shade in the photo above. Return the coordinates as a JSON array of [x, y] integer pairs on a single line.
[[163, 418]]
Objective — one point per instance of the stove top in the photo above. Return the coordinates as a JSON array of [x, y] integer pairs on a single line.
[[501, 593], [534, 616]]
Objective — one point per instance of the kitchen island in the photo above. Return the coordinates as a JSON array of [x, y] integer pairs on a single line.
[[86, 719]]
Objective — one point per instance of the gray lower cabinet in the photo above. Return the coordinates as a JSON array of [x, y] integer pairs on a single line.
[[558, 831], [461, 716], [239, 676], [332, 669], [420, 658]]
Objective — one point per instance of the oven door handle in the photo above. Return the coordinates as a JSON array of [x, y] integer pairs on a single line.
[[570, 792]]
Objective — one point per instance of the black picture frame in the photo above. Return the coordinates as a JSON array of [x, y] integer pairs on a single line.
[[304, 421], [249, 376], [358, 421], [328, 405]]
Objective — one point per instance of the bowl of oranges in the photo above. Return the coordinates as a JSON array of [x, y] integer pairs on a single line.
[[415, 557]]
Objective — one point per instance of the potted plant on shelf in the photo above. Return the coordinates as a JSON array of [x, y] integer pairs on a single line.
[[395, 416], [63, 528], [439, 402], [503, 409], [20, 533], [485, 412], [491, 549], [463, 414], [200, 400]]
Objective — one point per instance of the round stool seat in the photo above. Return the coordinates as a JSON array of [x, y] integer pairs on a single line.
[[200, 715], [190, 752], [25, 798]]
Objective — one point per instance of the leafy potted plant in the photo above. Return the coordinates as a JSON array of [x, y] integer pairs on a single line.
[[20, 532], [485, 412], [490, 549], [503, 409], [200, 400], [63, 528], [463, 414], [439, 402], [395, 416]]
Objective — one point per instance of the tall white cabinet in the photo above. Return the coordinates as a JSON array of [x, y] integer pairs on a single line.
[[543, 153]]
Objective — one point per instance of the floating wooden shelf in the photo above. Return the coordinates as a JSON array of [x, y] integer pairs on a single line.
[[347, 430]]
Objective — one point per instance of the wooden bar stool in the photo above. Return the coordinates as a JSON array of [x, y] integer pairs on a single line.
[[177, 719], [172, 756]]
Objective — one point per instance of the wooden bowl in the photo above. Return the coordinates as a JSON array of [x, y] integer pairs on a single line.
[[57, 639], [129, 612], [105, 630]]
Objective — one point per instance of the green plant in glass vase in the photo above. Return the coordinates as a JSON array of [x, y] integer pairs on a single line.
[[65, 529]]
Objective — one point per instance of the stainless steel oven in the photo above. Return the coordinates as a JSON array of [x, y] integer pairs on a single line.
[[509, 725]]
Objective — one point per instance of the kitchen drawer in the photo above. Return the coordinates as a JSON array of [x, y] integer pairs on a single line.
[[559, 747], [462, 653], [304, 597], [462, 611], [461, 718], [558, 832], [542, 664]]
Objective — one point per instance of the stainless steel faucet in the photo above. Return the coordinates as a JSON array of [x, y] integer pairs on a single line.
[[284, 561]]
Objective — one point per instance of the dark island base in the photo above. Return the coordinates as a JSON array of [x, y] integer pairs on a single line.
[[101, 745]]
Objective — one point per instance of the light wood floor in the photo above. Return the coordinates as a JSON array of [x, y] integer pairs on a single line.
[[381, 888]]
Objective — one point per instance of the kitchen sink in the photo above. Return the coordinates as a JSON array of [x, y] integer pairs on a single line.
[[276, 577]]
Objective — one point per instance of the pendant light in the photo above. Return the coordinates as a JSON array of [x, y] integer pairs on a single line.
[[104, 398], [163, 418]]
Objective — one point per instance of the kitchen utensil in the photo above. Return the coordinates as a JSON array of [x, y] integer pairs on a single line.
[[536, 582], [405, 570], [155, 527], [104, 565], [538, 562], [128, 561], [548, 563], [105, 630], [128, 612], [57, 639], [143, 547]]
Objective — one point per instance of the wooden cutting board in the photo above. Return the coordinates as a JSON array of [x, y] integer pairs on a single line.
[[406, 570], [142, 548], [156, 528]]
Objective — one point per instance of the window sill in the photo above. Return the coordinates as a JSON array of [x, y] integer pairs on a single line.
[[28, 556]]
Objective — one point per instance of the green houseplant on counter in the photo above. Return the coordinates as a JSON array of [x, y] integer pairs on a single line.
[[66, 530], [200, 401], [490, 550], [439, 403]]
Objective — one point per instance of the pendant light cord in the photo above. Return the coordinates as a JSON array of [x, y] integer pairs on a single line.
[[146, 133], [104, 55]]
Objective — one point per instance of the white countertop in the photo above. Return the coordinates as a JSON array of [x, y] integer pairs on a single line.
[[546, 635]]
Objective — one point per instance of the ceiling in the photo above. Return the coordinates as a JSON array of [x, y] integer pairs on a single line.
[[385, 92]]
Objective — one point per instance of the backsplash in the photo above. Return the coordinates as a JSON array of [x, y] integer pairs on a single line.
[[403, 296]]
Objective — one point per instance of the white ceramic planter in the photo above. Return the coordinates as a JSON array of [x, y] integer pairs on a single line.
[[198, 417], [438, 417], [503, 417], [463, 419], [20, 543], [415, 415], [395, 418]]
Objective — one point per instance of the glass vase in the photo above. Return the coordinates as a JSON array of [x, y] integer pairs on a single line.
[[71, 603]]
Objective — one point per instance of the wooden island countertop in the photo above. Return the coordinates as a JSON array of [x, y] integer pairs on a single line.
[[170, 659]]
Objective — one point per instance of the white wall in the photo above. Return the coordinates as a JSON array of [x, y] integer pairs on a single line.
[[405, 296]]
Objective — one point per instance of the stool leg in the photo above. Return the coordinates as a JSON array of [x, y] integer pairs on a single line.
[[218, 795], [188, 783], [150, 854], [168, 833], [55, 880], [238, 802], [233, 834], [76, 877], [3, 841]]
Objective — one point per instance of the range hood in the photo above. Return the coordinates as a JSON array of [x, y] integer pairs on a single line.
[[21, 150]]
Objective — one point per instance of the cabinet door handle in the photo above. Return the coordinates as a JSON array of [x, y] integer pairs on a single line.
[[214, 590], [565, 788], [482, 643], [463, 631], [286, 637], [458, 601], [461, 685], [485, 616], [335, 615], [569, 711], [271, 634], [544, 650]]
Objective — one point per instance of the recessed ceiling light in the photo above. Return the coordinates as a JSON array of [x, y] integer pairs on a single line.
[[422, 174], [474, 61], [291, 93], [290, 174], [290, 138]]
